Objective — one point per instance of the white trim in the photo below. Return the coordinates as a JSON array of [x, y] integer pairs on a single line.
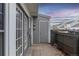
[[6, 25], [12, 29], [49, 39], [43, 21], [1, 30], [22, 31]]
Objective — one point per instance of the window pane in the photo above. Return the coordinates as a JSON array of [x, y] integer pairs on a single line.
[[1, 28], [0, 7], [19, 31], [1, 16], [1, 21]]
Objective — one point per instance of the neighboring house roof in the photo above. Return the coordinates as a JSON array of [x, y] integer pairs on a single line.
[[45, 16]]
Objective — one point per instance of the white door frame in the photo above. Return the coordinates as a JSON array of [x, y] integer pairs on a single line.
[[48, 31], [6, 35], [10, 29]]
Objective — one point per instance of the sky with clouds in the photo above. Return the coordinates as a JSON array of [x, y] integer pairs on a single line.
[[59, 9]]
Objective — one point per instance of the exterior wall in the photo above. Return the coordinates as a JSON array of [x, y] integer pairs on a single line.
[[36, 27], [31, 31], [35, 30], [10, 28], [43, 32], [44, 19]]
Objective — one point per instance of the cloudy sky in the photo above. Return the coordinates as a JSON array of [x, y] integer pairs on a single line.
[[59, 9]]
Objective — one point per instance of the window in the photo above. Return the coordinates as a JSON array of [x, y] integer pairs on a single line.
[[25, 32], [21, 31], [18, 31], [1, 16], [1, 29]]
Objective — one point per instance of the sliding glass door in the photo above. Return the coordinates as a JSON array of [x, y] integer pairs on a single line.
[[25, 33], [21, 31]]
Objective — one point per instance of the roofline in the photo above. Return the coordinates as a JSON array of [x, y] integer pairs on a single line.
[[46, 16]]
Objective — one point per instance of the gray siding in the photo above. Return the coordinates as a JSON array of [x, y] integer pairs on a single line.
[[36, 31], [36, 27], [43, 32]]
